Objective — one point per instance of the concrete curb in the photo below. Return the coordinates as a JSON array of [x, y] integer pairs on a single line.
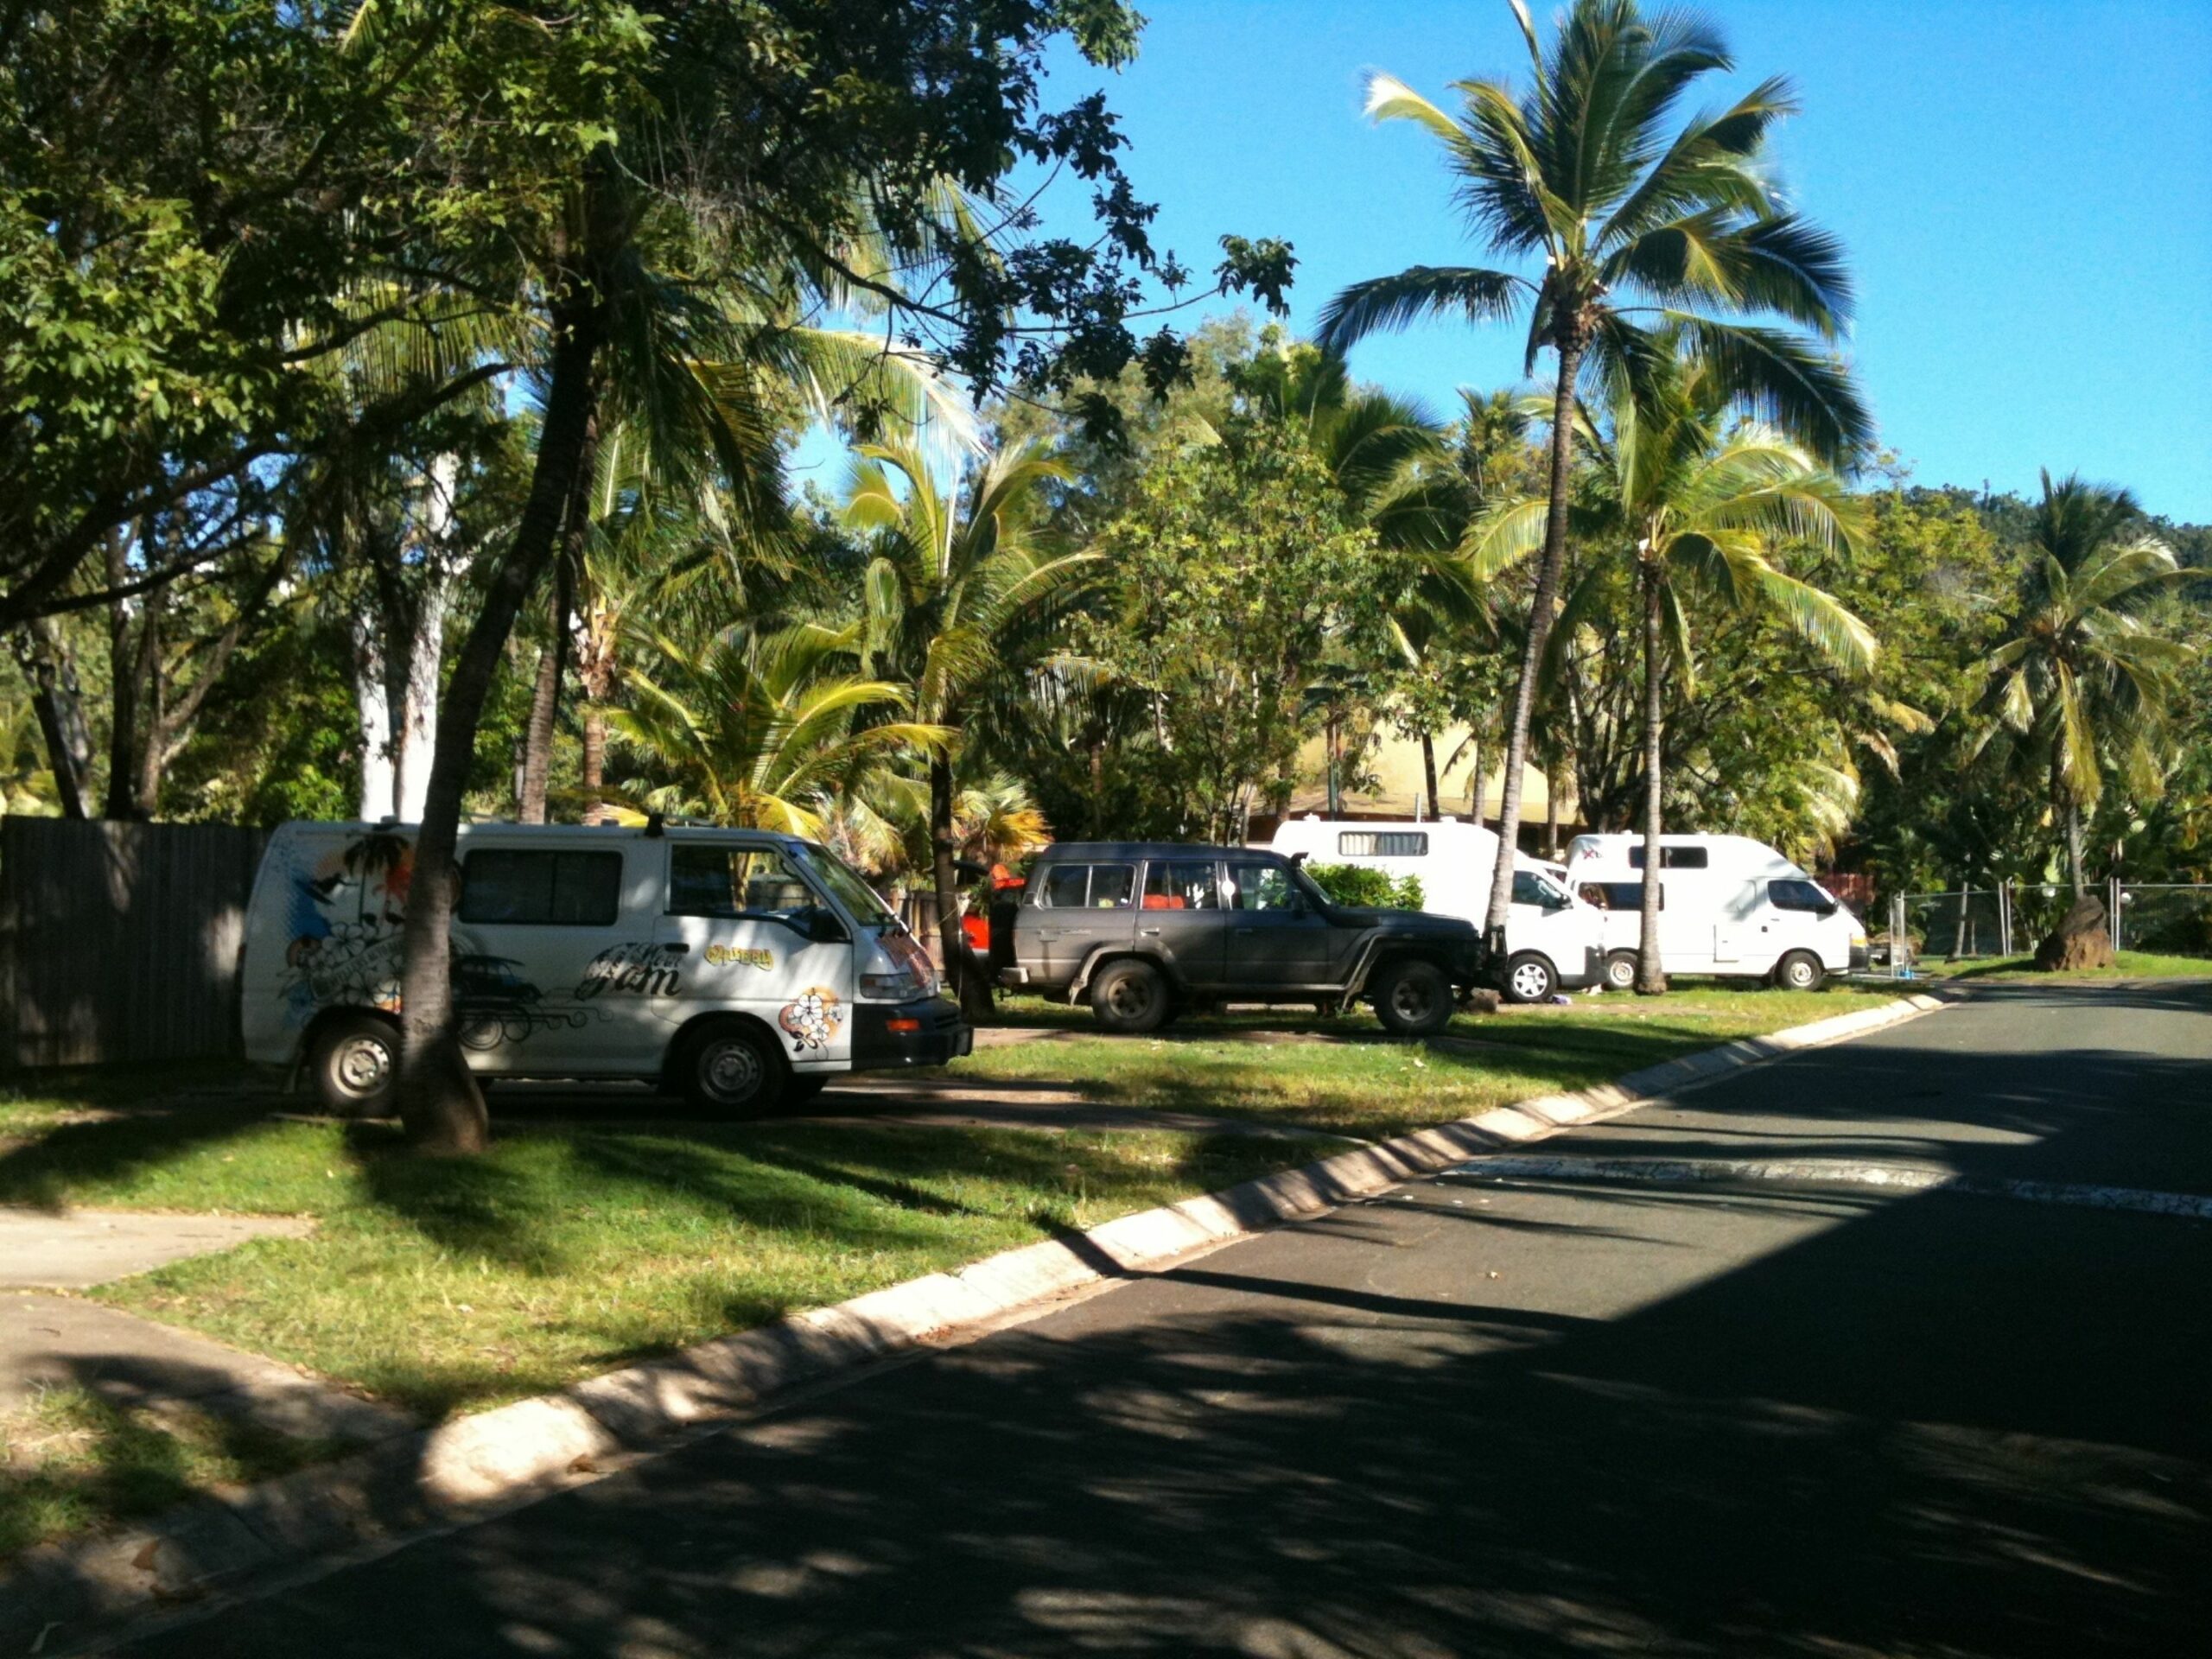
[[478, 1465]]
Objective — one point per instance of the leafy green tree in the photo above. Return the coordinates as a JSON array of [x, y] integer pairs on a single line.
[[1698, 511], [951, 578], [2082, 684], [758, 730], [1579, 171], [1235, 571]]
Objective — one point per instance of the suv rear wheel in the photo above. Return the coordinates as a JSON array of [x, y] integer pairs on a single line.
[[1529, 977], [1130, 997], [1413, 999]]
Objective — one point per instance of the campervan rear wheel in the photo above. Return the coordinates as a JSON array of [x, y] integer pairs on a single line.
[[730, 1068], [1800, 971], [1620, 971], [355, 1065]]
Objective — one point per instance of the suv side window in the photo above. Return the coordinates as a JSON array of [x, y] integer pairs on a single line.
[[1087, 886], [1262, 886], [1180, 886]]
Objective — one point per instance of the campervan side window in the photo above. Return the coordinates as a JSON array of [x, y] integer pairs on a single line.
[[510, 886], [1382, 843], [1798, 895], [1670, 858], [1619, 895]]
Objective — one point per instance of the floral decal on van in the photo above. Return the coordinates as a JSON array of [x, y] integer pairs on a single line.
[[342, 924], [813, 1020]]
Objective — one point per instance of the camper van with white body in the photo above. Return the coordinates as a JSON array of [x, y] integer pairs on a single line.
[[1552, 939], [1729, 907], [737, 967]]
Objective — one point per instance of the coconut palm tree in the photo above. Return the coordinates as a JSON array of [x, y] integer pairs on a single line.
[[2082, 684], [757, 729], [1697, 511], [1632, 228], [952, 576]]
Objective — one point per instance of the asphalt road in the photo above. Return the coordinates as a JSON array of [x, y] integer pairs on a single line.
[[1542, 1417]]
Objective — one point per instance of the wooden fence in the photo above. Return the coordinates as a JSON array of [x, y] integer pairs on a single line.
[[120, 941]]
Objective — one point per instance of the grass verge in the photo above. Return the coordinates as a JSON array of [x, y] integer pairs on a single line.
[[2126, 964], [1265, 1067], [70, 1460]]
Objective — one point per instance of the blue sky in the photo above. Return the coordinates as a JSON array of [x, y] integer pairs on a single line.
[[2025, 190]]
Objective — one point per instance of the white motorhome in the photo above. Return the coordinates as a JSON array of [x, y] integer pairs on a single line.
[[1552, 939], [737, 967], [1729, 907]]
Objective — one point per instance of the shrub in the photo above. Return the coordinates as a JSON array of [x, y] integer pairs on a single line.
[[1356, 884]]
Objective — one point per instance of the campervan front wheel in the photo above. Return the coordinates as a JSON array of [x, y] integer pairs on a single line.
[[354, 1063], [1800, 971], [1620, 971], [729, 1068]]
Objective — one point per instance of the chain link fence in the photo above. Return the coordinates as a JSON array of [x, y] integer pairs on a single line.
[[1989, 924]]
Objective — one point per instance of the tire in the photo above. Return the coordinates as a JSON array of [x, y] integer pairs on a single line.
[[1531, 978], [732, 1070], [1620, 971], [1130, 997], [1800, 971], [1413, 999], [354, 1063]]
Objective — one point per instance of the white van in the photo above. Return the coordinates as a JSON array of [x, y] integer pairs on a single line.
[[1552, 939], [737, 967], [1729, 907]]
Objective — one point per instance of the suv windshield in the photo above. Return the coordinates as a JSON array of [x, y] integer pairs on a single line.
[[849, 890]]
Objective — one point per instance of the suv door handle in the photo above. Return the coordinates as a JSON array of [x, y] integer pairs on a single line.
[[1153, 930]]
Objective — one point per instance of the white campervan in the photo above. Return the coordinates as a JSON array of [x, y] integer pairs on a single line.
[[1552, 939], [737, 967], [1729, 907]]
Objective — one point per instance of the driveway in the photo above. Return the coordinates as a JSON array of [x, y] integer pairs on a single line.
[[1605, 1409]]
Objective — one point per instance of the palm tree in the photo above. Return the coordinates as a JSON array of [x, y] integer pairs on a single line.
[[757, 729], [2082, 684], [1697, 511], [1579, 172], [947, 584]]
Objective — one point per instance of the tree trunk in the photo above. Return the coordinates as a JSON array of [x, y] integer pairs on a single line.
[[42, 656], [1570, 346], [372, 708], [1551, 811], [415, 725], [545, 696], [439, 1102], [973, 992], [1651, 972], [594, 759], [1097, 786], [1477, 784], [1428, 772], [2075, 868]]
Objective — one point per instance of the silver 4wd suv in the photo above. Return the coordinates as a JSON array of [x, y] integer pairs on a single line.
[[1148, 929]]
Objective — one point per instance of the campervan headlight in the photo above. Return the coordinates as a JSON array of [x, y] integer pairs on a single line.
[[896, 969]]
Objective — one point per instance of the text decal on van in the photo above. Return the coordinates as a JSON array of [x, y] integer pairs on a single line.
[[723, 955], [640, 968]]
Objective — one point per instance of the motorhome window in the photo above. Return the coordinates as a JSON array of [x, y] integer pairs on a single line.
[[1382, 843], [510, 887], [1670, 858], [733, 882], [1797, 895], [1180, 886], [1262, 887]]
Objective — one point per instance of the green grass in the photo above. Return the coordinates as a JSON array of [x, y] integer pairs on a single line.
[[2126, 964], [1372, 1088], [448, 1285], [71, 1460]]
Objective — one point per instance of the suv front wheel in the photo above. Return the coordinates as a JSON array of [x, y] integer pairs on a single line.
[[1130, 997], [1413, 999]]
